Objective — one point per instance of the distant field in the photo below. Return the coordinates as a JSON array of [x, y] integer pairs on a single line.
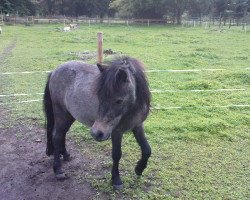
[[200, 151]]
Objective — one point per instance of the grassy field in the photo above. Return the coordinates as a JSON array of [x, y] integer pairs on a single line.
[[200, 151]]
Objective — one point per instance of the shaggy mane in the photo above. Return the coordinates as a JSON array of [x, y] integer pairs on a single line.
[[107, 84]]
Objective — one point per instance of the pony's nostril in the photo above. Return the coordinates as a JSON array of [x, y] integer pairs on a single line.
[[99, 135]]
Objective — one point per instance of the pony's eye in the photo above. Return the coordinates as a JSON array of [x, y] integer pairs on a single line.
[[119, 101]]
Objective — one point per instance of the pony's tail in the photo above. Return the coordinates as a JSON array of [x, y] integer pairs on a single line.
[[49, 118]]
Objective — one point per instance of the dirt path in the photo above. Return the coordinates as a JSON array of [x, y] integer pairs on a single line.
[[26, 173], [7, 51]]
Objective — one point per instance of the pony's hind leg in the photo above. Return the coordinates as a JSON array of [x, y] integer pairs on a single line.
[[62, 124], [145, 149]]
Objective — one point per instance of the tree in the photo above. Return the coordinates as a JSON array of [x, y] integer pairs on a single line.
[[22, 7], [139, 8], [197, 8], [124, 8], [50, 6], [221, 7], [151, 8], [176, 8], [91, 8], [6, 6], [130, 8], [241, 7]]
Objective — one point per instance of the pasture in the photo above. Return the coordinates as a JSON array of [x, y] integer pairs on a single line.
[[199, 125]]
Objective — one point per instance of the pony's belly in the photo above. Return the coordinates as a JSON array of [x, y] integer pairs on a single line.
[[83, 107], [84, 113], [87, 120], [81, 100]]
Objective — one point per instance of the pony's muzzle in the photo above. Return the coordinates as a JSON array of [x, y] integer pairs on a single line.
[[98, 135]]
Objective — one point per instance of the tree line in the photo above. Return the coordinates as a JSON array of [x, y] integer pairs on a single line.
[[153, 9]]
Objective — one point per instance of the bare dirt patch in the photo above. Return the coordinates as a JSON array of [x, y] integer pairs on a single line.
[[7, 51], [26, 172]]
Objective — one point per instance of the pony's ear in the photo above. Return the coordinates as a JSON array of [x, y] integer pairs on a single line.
[[101, 67], [122, 76]]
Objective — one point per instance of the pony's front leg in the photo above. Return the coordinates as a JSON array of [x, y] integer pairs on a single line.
[[145, 149], [116, 155]]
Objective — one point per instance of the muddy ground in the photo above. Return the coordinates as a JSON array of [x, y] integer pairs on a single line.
[[26, 172]]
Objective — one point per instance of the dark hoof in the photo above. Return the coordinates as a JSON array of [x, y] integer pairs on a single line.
[[118, 187], [67, 158], [49, 152], [138, 172], [61, 177]]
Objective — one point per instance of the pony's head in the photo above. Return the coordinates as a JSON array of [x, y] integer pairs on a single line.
[[122, 90]]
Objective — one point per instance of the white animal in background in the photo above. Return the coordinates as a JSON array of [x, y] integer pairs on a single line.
[[66, 29], [73, 26], [1, 30]]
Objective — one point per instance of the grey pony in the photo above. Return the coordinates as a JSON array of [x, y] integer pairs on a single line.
[[111, 99]]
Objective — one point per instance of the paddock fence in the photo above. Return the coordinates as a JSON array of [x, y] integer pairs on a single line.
[[189, 22], [220, 90], [29, 20]]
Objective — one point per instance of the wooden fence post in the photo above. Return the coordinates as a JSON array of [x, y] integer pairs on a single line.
[[2, 17], [100, 48]]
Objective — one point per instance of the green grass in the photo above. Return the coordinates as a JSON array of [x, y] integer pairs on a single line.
[[198, 153]]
